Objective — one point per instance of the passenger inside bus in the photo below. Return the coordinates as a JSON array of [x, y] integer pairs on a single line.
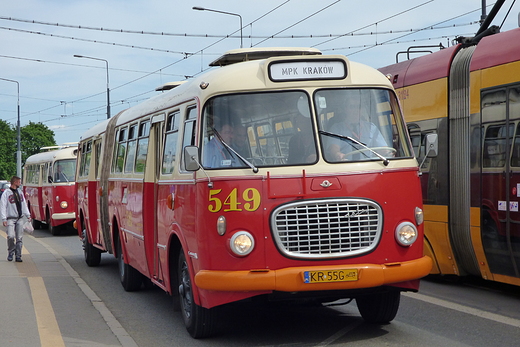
[[302, 148], [351, 121], [216, 155], [240, 141]]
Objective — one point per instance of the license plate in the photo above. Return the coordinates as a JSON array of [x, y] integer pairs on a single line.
[[326, 276]]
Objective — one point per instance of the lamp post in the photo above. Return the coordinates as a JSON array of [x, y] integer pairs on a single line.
[[108, 89], [233, 14], [19, 150]]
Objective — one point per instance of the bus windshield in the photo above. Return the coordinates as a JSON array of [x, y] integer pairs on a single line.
[[360, 124], [63, 170], [277, 129]]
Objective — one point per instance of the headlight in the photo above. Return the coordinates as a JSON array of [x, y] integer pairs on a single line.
[[242, 243], [419, 216], [64, 204], [406, 234]]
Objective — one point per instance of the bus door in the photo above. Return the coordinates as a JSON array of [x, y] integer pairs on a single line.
[[500, 216], [94, 193], [175, 208], [152, 170]]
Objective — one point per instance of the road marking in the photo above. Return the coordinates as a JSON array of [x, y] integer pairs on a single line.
[[117, 329], [465, 309], [48, 328]]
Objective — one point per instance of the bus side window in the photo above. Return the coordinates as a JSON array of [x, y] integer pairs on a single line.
[[120, 151], [189, 131], [170, 143], [131, 148], [142, 146], [85, 159]]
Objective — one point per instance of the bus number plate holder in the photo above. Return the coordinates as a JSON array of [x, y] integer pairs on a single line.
[[327, 276]]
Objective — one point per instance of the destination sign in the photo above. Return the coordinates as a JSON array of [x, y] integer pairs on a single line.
[[307, 70]]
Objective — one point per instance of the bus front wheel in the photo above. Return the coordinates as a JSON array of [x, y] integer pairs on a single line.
[[379, 308], [131, 279], [199, 321]]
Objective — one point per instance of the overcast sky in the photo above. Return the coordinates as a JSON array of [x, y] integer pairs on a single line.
[[38, 39]]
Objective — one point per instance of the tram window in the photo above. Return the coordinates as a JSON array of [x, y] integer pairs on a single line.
[[142, 146], [170, 143], [495, 142], [514, 112], [131, 148]]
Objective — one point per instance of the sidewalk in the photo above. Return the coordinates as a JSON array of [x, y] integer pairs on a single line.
[[45, 303]]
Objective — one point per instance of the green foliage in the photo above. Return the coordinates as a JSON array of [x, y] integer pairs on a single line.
[[33, 136], [7, 151]]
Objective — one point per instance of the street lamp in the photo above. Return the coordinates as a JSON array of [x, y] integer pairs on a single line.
[[108, 89], [19, 151], [233, 14]]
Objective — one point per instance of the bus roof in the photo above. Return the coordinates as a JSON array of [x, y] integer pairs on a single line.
[[251, 75], [59, 154], [246, 54]]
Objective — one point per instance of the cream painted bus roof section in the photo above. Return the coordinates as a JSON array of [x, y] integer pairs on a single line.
[[65, 153], [239, 55], [246, 76], [169, 85]]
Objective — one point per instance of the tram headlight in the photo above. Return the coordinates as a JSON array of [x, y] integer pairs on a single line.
[[242, 243], [419, 216], [64, 204], [406, 234]]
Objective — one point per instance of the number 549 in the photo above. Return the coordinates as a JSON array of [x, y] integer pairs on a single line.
[[249, 200]]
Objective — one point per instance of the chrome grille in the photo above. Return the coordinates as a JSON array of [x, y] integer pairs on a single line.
[[327, 228]]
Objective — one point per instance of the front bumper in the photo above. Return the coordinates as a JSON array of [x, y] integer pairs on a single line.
[[291, 279]]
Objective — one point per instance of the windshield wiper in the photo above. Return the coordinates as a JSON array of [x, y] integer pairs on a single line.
[[232, 151], [385, 161]]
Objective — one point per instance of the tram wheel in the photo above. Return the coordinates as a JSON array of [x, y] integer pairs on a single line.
[[379, 308], [131, 279], [199, 321], [92, 254]]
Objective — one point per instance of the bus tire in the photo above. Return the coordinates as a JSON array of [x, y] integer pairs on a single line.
[[92, 254], [36, 224], [199, 321], [131, 279], [54, 230], [379, 308]]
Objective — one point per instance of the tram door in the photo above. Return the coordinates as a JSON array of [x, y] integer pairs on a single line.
[[500, 112]]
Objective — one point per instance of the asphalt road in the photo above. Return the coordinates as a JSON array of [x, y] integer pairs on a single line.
[[443, 313]]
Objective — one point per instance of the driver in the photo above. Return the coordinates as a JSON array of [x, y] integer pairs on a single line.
[[352, 123]]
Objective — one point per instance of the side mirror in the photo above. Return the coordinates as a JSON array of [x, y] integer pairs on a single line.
[[50, 179], [432, 145], [191, 158]]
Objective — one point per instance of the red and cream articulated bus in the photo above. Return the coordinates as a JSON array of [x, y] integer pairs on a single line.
[[469, 95], [281, 174], [49, 187]]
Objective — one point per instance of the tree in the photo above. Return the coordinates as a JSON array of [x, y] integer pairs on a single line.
[[33, 137], [7, 150]]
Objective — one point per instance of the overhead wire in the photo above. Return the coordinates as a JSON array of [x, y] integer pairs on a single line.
[[201, 51]]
